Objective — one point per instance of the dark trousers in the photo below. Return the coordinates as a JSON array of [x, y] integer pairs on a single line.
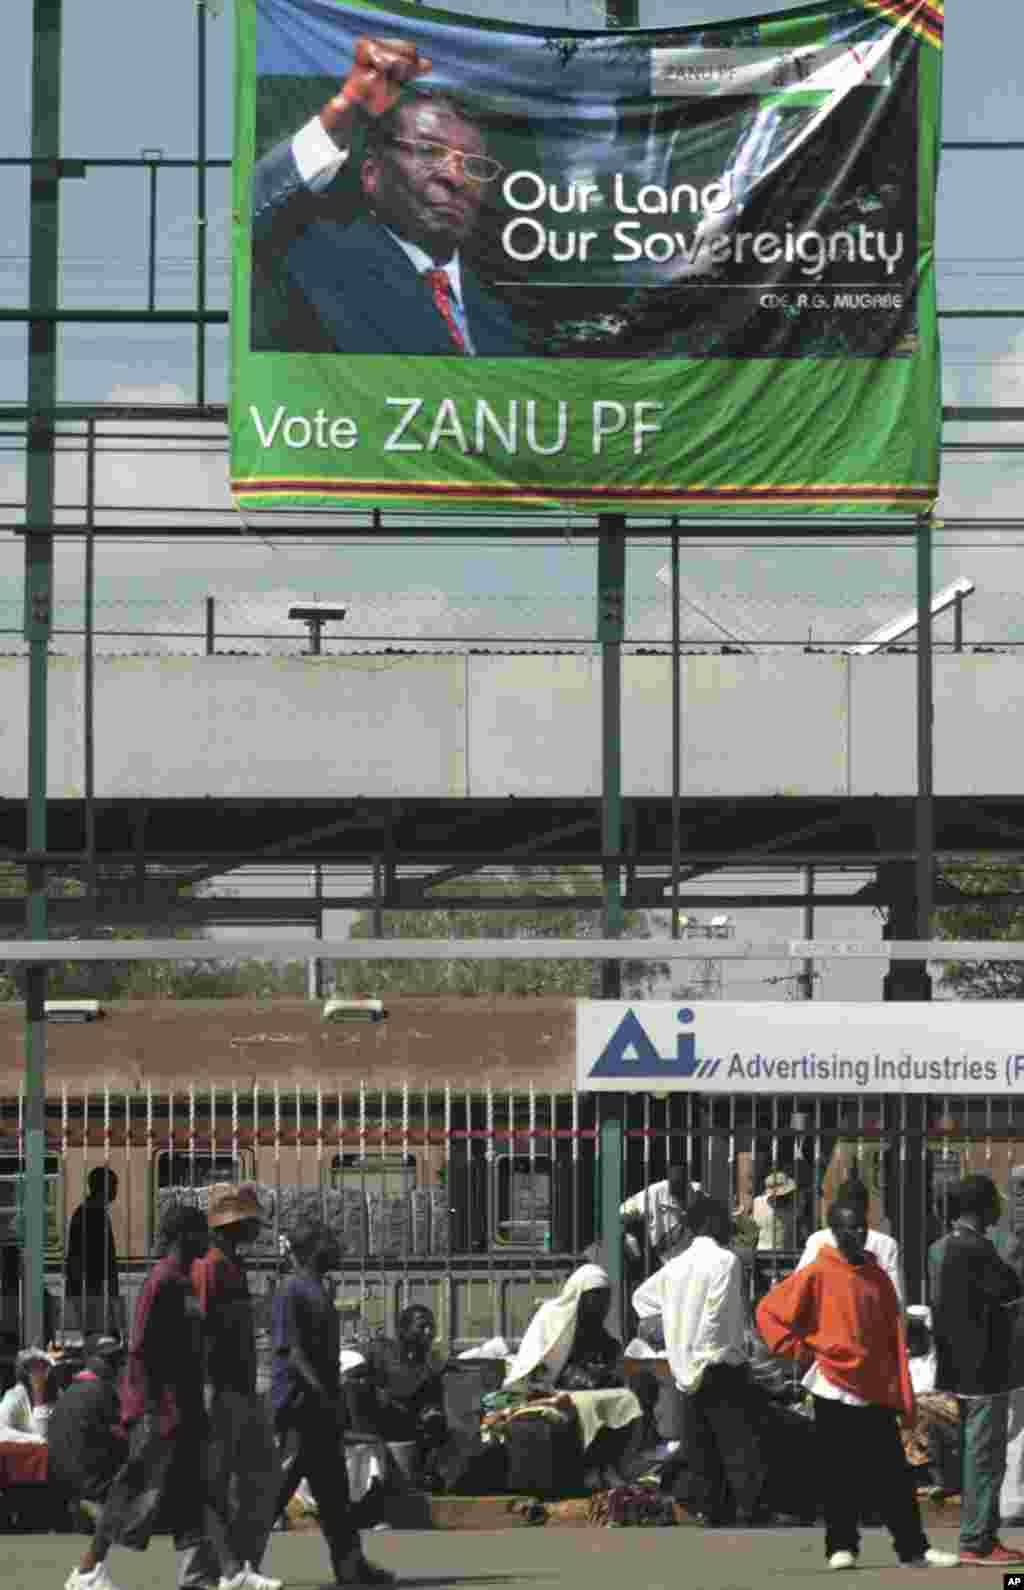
[[723, 1448], [983, 1427], [312, 1449], [862, 1468]]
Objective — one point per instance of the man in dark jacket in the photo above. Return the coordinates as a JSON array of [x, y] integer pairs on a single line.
[[397, 280], [305, 1393], [973, 1293]]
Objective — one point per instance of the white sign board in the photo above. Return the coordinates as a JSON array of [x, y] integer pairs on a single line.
[[717, 1047]]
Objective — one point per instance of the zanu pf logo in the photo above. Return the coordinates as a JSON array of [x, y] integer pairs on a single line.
[[629, 1052]]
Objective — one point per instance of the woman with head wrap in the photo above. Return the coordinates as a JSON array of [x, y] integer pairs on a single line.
[[566, 1343]]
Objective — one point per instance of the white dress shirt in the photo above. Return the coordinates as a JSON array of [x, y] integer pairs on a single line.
[[699, 1296], [318, 160], [885, 1249]]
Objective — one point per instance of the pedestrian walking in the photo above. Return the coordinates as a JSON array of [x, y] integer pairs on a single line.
[[973, 1298], [163, 1481], [699, 1295], [305, 1391], [244, 1472], [843, 1311]]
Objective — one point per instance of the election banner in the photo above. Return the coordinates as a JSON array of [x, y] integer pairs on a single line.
[[487, 265], [947, 1047]]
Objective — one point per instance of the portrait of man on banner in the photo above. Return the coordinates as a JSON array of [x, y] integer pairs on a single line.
[[414, 214], [394, 280]]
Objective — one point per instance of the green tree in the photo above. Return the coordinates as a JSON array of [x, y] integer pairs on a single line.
[[201, 977], [577, 979], [983, 918]]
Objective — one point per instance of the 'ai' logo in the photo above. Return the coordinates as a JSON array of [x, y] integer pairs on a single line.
[[629, 1052]]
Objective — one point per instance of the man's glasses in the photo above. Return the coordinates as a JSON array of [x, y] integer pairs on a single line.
[[478, 168]]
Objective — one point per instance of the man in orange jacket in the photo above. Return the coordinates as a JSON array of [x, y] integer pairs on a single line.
[[843, 1311]]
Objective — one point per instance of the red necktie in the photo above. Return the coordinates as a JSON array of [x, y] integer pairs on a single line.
[[440, 287]]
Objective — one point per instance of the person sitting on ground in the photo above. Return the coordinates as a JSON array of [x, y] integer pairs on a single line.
[[24, 1409], [885, 1249], [397, 1393], [566, 1344], [87, 1441]]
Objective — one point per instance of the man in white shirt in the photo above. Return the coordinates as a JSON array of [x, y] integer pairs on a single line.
[[700, 1298], [394, 281], [885, 1249]]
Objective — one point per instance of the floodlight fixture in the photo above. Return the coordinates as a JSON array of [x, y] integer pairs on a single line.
[[315, 615], [73, 1010], [354, 1011], [948, 597]]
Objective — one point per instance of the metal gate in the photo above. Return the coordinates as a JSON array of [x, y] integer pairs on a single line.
[[480, 1203]]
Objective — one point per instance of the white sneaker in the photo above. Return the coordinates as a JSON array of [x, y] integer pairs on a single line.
[[842, 1559], [935, 1559], [97, 1579], [248, 1579]]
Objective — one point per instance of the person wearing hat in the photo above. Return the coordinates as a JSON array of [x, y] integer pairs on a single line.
[[773, 1221], [21, 1408], [244, 1471], [163, 1482]]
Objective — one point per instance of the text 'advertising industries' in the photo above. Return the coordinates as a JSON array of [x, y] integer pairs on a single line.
[[948, 1046], [478, 264]]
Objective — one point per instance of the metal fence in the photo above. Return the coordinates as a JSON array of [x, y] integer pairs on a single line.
[[480, 1203]]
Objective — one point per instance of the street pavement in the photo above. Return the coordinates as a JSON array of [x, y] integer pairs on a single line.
[[527, 1559]]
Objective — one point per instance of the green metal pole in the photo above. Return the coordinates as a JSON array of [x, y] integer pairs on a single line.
[[201, 217], [611, 596], [44, 243]]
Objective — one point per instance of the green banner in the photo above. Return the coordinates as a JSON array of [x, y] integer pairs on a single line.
[[484, 265]]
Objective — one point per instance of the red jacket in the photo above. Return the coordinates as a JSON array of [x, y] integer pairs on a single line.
[[848, 1316]]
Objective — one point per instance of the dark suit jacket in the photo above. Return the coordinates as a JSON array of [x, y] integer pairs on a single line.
[[970, 1286], [320, 286]]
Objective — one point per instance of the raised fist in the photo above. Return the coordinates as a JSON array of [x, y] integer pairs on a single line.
[[380, 70]]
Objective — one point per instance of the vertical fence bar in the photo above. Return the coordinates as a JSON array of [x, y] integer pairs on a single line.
[[88, 670], [201, 218], [924, 813], [677, 845], [43, 335], [211, 625]]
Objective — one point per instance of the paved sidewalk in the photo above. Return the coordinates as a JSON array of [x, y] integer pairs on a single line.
[[528, 1559]]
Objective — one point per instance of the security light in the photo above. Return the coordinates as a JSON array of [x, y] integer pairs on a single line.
[[73, 1009], [315, 615], [318, 613], [880, 638], [354, 1010]]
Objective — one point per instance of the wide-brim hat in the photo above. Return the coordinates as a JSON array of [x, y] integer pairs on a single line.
[[779, 1183], [229, 1204]]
